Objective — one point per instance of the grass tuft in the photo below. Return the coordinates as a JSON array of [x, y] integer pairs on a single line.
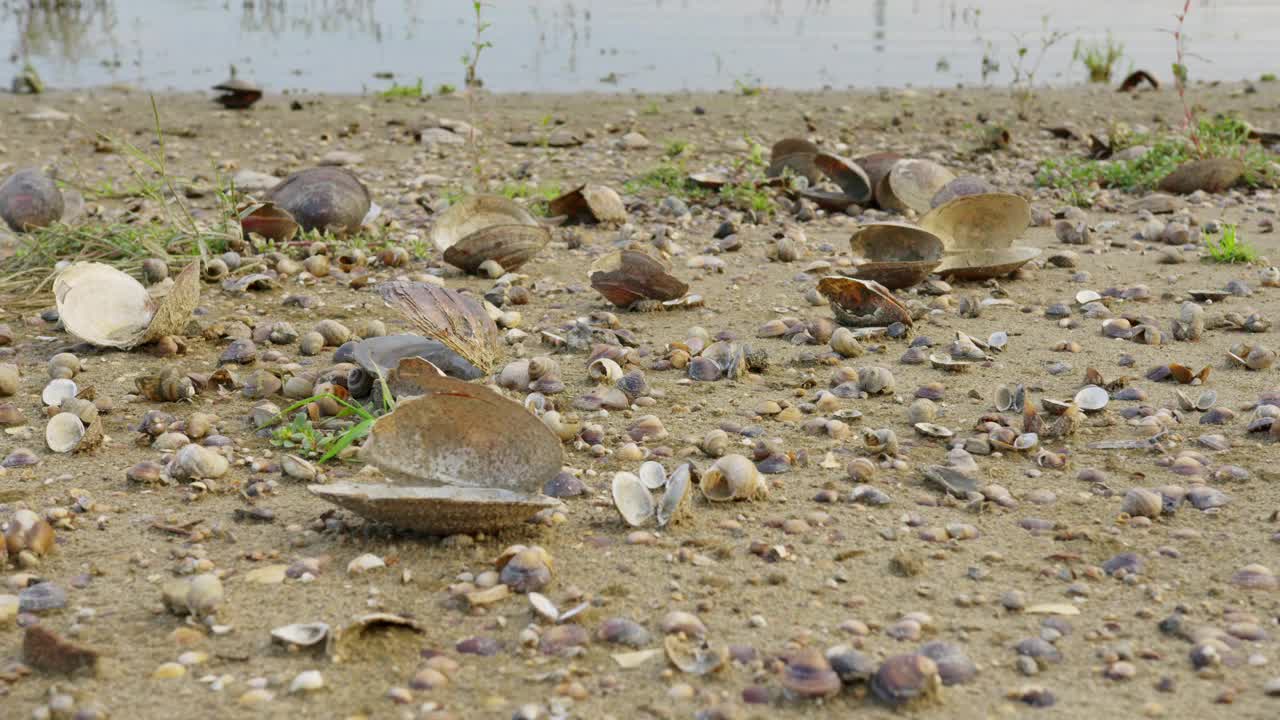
[[1230, 248]]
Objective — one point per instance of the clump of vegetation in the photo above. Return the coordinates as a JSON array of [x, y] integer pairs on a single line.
[[403, 91], [1267, 77], [302, 437], [748, 197], [676, 148], [748, 86], [1098, 58], [1223, 136], [1230, 248], [669, 177], [446, 89]]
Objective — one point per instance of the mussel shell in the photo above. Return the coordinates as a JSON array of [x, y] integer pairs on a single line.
[[862, 303], [912, 185], [29, 199], [990, 221], [628, 276], [851, 178], [435, 510], [383, 354], [899, 255], [979, 265], [326, 199], [509, 245], [464, 436]]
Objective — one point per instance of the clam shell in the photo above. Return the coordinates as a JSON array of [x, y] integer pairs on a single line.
[[57, 390], [463, 436], [301, 634], [1212, 175], [652, 474], [381, 355], [899, 255], [862, 303], [796, 155], [962, 186], [510, 245], [631, 499], [1011, 398], [979, 265], [325, 199], [852, 179], [913, 183], [1092, 398], [932, 430], [268, 220], [948, 363], [589, 204], [628, 276], [676, 498], [29, 199], [949, 479], [107, 308], [477, 212], [458, 321], [63, 433], [877, 167], [990, 221], [435, 510], [695, 657]]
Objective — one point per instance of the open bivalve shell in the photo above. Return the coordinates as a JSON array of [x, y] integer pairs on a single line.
[[855, 186], [464, 459], [66, 433], [107, 308], [898, 255], [862, 303], [268, 220], [632, 499], [986, 221], [630, 276], [324, 199], [488, 227], [1092, 398], [458, 321], [589, 204], [911, 185], [796, 155], [979, 265]]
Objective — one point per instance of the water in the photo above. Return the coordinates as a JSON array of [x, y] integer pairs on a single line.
[[348, 46]]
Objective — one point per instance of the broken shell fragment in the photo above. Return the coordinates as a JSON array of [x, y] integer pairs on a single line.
[[695, 657], [105, 307], [29, 200], [631, 499], [733, 477], [862, 303], [323, 199], [630, 276], [301, 634]]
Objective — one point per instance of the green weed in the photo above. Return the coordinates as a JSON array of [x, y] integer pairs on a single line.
[[446, 89], [1230, 248], [537, 195], [403, 91], [748, 197], [1267, 77], [676, 148], [302, 437], [748, 86], [1098, 58]]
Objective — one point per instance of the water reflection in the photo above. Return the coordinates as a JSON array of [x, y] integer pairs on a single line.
[[567, 45]]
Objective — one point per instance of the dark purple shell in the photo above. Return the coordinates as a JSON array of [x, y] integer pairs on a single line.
[[29, 199], [323, 198]]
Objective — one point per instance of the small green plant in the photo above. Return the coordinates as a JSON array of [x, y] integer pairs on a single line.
[[301, 435], [446, 89], [471, 58], [676, 148], [668, 177], [1230, 248], [537, 195], [1189, 124], [747, 197], [755, 153], [748, 86], [1267, 77], [651, 108], [1098, 58], [403, 91]]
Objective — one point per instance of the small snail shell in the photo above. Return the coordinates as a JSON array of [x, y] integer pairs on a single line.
[[733, 477]]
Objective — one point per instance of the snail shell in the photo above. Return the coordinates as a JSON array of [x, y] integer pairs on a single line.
[[733, 477]]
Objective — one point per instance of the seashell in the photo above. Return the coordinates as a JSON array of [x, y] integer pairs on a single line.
[[624, 631], [301, 634], [922, 410], [457, 321], [646, 427], [269, 221], [66, 432], [998, 340], [1010, 398], [25, 531], [107, 308], [950, 480], [963, 186], [694, 657], [903, 679], [675, 499], [912, 184], [704, 370], [733, 477], [954, 666], [862, 303], [808, 674], [57, 391], [680, 622], [29, 200], [169, 386], [604, 371], [237, 93], [64, 365], [875, 380], [1140, 502], [323, 199], [630, 276], [851, 665], [379, 356], [1255, 577], [652, 475], [1092, 398], [1026, 441], [933, 431], [634, 385], [980, 265], [9, 381], [1212, 175], [20, 457], [855, 185], [845, 343], [10, 415], [465, 459], [897, 255], [589, 204], [795, 156], [715, 443], [987, 222], [1252, 357], [195, 462], [948, 364], [880, 442], [524, 569]]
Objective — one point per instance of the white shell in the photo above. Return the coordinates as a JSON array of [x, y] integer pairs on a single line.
[[673, 500], [732, 477], [695, 657], [932, 430], [1011, 398], [652, 474], [108, 308], [63, 432], [604, 371], [58, 390], [1026, 441], [544, 607], [1092, 398], [632, 499], [944, 362], [301, 634], [998, 340], [1084, 297]]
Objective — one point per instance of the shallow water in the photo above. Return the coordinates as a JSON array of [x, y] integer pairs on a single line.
[[648, 45]]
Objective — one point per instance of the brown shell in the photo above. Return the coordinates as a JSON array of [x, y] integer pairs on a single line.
[[960, 187], [460, 435], [269, 221], [29, 199], [458, 321], [796, 155], [1212, 175], [435, 511], [508, 245], [589, 204], [476, 212], [977, 265], [827, 200], [862, 303], [851, 178], [899, 255], [913, 183], [989, 221], [327, 199], [627, 276], [877, 167]]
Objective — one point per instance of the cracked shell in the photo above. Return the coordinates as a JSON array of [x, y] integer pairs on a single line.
[[862, 303]]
